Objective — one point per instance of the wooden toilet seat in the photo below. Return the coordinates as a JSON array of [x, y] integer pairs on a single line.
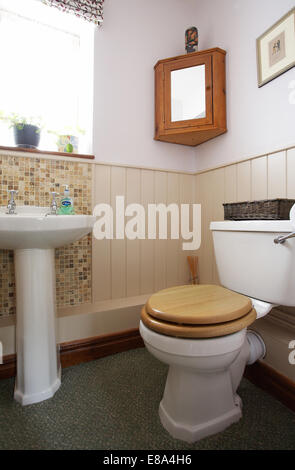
[[198, 311]]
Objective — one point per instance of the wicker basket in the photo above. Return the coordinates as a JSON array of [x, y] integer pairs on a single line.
[[268, 209]]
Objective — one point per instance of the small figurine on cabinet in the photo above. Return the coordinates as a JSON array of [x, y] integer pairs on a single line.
[[191, 39]]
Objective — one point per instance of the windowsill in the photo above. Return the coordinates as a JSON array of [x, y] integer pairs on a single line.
[[47, 152]]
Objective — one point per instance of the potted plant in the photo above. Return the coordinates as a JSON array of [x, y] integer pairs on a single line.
[[26, 130], [68, 139]]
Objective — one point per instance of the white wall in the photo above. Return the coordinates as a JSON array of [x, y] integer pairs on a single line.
[[260, 120], [135, 34]]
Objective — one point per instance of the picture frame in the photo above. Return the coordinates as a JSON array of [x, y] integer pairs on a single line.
[[276, 49]]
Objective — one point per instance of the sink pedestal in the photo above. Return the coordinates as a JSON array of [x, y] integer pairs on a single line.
[[38, 363], [33, 234]]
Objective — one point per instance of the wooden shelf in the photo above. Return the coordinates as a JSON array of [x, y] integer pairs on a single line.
[[47, 152]]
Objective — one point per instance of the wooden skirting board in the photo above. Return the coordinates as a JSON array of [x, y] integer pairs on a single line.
[[76, 352], [274, 383], [8, 368], [84, 350]]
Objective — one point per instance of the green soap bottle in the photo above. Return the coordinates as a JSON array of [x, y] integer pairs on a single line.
[[66, 204]]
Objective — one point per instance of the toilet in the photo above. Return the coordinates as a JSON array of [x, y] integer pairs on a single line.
[[201, 331]]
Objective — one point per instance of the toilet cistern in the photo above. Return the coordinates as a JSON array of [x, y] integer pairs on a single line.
[[246, 256]]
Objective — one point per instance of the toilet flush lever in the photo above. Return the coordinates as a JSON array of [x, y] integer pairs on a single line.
[[282, 238]]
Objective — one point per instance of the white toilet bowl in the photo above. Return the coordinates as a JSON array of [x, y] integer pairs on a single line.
[[201, 333], [200, 396]]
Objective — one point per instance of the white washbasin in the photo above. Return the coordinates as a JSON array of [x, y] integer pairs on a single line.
[[32, 228], [33, 235]]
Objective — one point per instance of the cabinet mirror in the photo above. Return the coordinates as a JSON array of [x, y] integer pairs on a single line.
[[188, 94]]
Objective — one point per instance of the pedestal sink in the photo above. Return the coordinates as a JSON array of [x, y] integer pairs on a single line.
[[33, 236]]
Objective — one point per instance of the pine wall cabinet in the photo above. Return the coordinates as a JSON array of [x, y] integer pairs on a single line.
[[190, 100]]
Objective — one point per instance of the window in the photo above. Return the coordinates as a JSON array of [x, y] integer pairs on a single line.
[[46, 59]]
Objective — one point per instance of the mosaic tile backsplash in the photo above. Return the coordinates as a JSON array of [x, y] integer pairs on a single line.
[[35, 178]]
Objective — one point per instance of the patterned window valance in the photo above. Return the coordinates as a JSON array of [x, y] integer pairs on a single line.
[[89, 10]]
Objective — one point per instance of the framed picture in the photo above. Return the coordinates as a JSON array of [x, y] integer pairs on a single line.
[[276, 49]]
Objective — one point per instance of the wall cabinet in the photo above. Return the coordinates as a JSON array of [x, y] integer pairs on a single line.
[[190, 102]]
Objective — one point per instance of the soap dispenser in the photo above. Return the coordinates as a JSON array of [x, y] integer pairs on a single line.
[[66, 204]]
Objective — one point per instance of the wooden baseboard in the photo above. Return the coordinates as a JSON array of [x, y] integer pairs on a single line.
[[76, 352], [84, 350], [8, 368], [271, 381]]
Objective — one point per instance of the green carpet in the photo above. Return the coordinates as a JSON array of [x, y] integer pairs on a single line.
[[112, 403]]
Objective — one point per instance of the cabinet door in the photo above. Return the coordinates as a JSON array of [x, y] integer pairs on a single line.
[[188, 92]]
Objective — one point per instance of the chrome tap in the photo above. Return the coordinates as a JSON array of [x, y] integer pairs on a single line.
[[11, 206], [53, 205]]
